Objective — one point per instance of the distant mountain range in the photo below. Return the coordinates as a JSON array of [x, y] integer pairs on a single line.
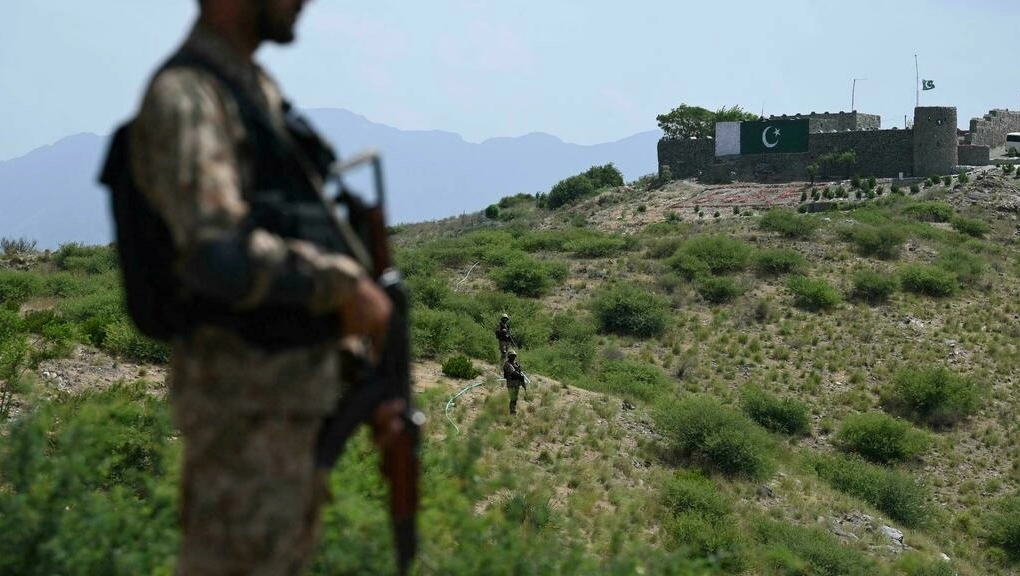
[[50, 194]]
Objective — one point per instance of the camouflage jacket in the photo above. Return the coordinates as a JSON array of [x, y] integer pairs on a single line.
[[512, 373], [190, 159]]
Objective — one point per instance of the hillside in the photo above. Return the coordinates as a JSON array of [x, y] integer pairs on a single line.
[[717, 388]]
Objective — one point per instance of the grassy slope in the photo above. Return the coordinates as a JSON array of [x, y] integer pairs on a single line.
[[579, 481], [836, 361]]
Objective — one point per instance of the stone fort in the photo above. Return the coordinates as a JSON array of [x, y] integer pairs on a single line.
[[932, 146]]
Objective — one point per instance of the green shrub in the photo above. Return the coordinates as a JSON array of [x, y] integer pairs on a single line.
[[569, 190], [93, 313], [880, 438], [660, 248], [914, 188], [717, 437], [812, 295], [703, 536], [492, 212], [788, 223], [855, 181], [429, 291], [515, 200], [966, 266], [721, 254], [629, 310], [971, 226], [527, 508], [87, 487], [897, 494], [124, 340], [913, 563], [873, 287], [460, 366], [947, 180], [433, 332], [717, 290], [928, 280], [878, 241], [963, 178], [632, 380], [1003, 526], [17, 287], [931, 395], [775, 261], [688, 265], [930, 211], [872, 181], [528, 277], [808, 550], [686, 492], [605, 176], [76, 257], [785, 415]]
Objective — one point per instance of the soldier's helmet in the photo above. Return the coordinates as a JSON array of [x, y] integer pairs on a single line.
[[511, 354], [504, 317]]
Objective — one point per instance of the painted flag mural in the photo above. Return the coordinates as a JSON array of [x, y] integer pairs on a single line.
[[774, 136]]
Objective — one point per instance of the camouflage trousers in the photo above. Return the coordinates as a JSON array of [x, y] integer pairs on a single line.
[[250, 497], [504, 347]]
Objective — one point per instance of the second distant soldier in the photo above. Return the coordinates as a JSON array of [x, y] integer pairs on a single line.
[[515, 379]]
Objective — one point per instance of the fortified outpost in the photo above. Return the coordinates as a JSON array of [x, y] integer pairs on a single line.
[[933, 146]]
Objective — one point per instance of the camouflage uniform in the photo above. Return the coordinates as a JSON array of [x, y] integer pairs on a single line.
[[250, 491], [514, 380], [503, 336]]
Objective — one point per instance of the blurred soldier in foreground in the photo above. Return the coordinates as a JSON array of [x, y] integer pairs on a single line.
[[255, 366], [515, 379]]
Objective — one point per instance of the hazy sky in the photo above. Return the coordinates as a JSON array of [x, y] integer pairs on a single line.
[[587, 71]]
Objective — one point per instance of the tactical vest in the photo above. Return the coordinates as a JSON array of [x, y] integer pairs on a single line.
[[282, 199]]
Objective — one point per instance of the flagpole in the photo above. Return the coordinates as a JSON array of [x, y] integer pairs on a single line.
[[917, 84]]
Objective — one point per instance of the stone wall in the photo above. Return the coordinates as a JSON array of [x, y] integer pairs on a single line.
[[880, 153], [837, 121], [973, 155], [929, 148], [992, 129], [686, 158]]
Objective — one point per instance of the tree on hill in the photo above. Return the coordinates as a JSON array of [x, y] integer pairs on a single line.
[[694, 121], [583, 185]]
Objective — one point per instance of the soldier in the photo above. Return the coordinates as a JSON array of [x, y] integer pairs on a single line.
[[503, 336], [515, 379], [257, 369]]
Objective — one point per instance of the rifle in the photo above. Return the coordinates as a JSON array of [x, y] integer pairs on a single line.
[[388, 380]]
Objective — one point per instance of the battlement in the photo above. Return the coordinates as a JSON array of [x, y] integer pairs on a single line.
[[836, 121]]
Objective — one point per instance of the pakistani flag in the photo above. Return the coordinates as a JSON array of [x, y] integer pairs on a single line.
[[927, 84], [774, 136]]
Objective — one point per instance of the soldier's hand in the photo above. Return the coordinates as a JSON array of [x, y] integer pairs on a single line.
[[366, 312]]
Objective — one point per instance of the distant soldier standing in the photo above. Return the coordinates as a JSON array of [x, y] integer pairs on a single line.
[[503, 336], [515, 379]]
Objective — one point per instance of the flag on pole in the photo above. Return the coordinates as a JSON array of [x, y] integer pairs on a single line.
[[927, 84]]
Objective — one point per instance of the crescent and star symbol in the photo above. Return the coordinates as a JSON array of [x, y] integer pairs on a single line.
[[765, 137]]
